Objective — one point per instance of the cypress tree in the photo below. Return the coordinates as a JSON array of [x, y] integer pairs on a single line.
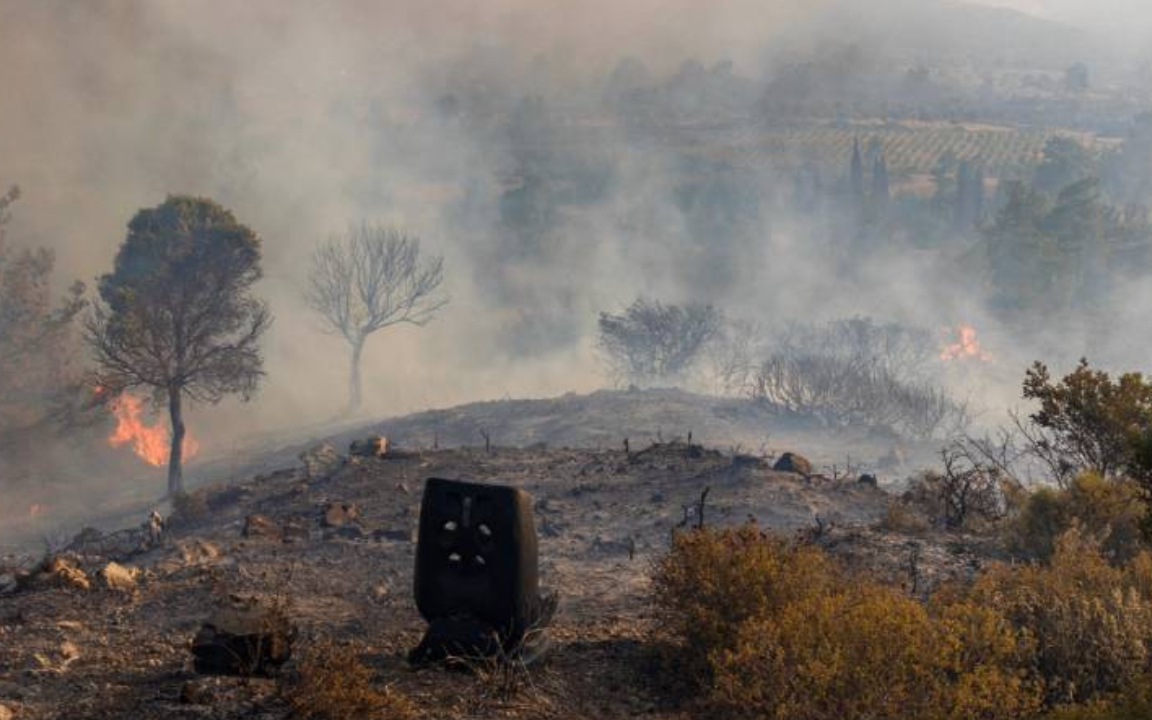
[[881, 192]]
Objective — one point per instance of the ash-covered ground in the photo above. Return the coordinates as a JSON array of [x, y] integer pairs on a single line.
[[339, 550]]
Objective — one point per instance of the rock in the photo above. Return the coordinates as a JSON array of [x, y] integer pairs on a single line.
[[6, 714], [793, 463], [339, 514], [321, 461], [235, 641], [868, 479], [375, 446], [8, 583], [262, 527], [119, 577]]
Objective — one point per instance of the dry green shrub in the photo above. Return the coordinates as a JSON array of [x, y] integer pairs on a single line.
[[1109, 510], [332, 684], [1091, 621], [766, 628], [868, 651], [711, 583]]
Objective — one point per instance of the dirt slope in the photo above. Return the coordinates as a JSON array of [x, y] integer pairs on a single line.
[[602, 516]]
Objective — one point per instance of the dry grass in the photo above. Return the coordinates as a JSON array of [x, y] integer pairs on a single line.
[[331, 683], [504, 680]]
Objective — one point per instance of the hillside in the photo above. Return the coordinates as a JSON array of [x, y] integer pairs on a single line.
[[602, 516]]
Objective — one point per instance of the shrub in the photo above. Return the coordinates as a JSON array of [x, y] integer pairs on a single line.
[[332, 684], [711, 583], [1111, 511], [761, 627], [652, 341], [869, 651], [858, 371], [1134, 703], [1090, 620]]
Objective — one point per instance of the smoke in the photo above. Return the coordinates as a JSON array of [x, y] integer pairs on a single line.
[[303, 117]]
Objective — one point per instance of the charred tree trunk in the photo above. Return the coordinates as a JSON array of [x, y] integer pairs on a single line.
[[355, 394], [176, 452]]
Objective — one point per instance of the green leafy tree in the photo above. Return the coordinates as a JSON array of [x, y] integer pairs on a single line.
[[1087, 421], [1021, 254], [1076, 225], [1128, 170], [177, 316]]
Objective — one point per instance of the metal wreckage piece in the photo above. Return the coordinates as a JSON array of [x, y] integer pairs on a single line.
[[476, 577]]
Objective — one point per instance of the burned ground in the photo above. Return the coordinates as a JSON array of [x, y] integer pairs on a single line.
[[602, 515]]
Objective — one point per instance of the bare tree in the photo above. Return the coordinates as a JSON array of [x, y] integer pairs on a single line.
[[969, 488], [653, 341], [368, 279], [731, 357]]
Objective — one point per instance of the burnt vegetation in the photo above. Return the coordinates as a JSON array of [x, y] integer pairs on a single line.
[[858, 371], [796, 233], [650, 342]]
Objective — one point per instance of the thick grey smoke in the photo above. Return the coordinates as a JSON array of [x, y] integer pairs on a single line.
[[304, 117]]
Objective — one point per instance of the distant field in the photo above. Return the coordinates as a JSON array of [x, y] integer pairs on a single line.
[[910, 149]]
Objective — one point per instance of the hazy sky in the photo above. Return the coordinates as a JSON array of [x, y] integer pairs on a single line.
[[1106, 16]]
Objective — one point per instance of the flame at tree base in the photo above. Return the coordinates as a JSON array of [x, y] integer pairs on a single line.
[[151, 443]]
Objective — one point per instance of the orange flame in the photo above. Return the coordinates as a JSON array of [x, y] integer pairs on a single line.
[[966, 347], [149, 442]]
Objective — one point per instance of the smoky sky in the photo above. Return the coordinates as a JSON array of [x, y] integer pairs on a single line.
[[304, 117]]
